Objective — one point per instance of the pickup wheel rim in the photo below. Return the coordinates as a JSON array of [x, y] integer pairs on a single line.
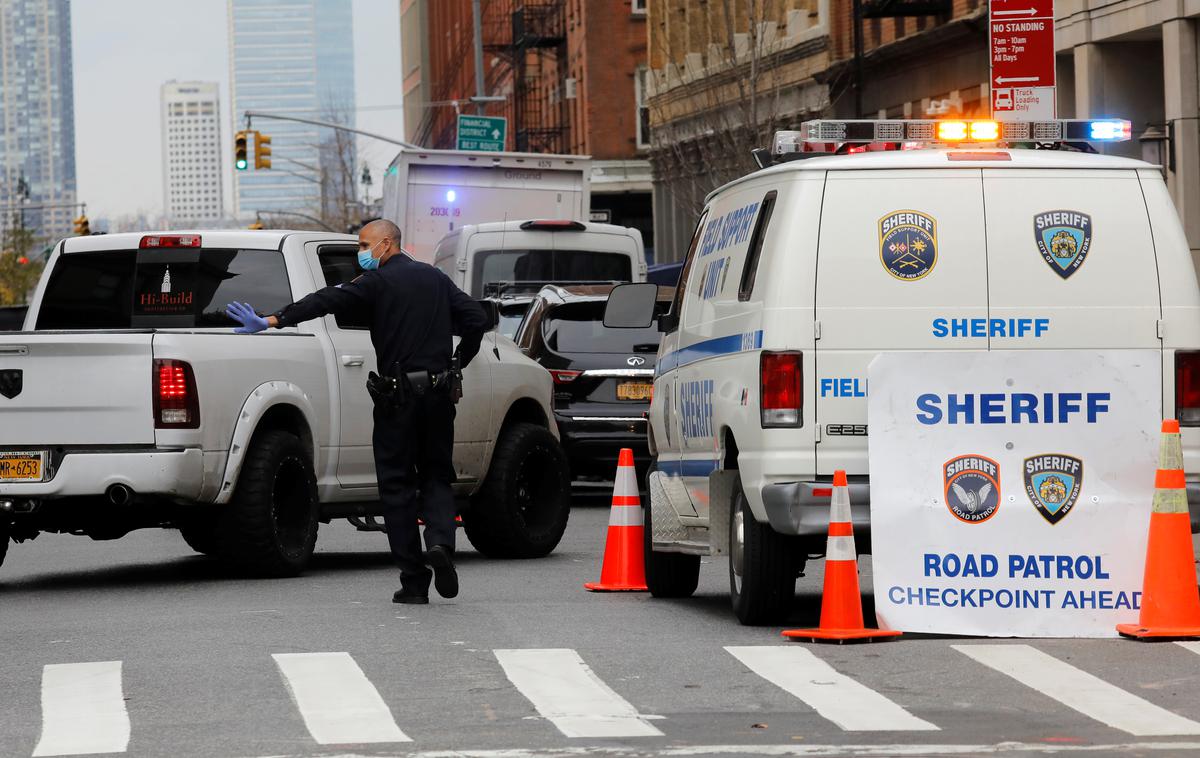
[[737, 548], [536, 488], [289, 503]]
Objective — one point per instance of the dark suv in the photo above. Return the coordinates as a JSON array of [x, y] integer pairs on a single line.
[[603, 378]]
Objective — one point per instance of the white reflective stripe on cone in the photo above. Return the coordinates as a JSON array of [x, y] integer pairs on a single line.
[[626, 483], [626, 515], [839, 509], [840, 549]]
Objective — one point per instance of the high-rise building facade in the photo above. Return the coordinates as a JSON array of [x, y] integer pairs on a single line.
[[37, 117], [292, 58], [192, 149]]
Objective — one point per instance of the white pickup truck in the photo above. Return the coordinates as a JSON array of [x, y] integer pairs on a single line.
[[127, 402]]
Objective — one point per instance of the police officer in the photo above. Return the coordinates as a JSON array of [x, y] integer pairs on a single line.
[[413, 309]]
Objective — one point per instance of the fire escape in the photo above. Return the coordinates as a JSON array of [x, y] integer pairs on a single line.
[[538, 51]]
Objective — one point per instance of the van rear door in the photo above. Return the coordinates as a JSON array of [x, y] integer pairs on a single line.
[[900, 266], [1071, 260]]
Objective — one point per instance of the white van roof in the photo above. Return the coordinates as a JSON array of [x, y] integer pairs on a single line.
[[979, 157], [515, 226]]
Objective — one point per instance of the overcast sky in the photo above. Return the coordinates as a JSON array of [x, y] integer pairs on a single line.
[[125, 49]]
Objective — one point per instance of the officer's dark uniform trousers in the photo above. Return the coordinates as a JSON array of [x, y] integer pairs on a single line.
[[414, 310]]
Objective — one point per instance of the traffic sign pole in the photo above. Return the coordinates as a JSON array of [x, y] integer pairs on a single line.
[[1021, 35]]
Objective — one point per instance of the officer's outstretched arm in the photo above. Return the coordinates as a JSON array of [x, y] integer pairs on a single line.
[[338, 299]]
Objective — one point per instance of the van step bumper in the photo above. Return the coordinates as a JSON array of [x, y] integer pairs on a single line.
[[792, 508]]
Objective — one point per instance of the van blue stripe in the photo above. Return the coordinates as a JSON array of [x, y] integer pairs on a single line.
[[733, 343], [676, 467]]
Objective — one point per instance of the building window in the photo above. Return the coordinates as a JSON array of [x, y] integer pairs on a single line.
[[637, 7], [643, 110]]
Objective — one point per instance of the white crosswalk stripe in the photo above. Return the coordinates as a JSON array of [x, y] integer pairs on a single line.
[[1080, 691], [337, 701], [83, 710], [844, 701], [1193, 646], [566, 692]]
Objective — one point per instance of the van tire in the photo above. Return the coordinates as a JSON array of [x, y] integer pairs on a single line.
[[764, 592], [201, 536], [269, 526], [667, 574], [521, 510]]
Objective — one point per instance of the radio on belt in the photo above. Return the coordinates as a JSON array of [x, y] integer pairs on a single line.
[[919, 133]]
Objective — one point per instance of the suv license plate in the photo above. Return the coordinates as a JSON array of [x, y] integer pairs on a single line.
[[22, 466], [635, 391]]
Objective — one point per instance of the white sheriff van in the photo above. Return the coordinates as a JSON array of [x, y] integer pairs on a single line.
[[799, 274]]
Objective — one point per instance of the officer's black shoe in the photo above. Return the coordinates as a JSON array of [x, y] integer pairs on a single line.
[[445, 578], [410, 597]]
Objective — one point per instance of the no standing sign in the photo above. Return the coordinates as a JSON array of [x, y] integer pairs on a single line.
[[1022, 55]]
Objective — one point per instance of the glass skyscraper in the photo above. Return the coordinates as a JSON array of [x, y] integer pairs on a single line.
[[294, 58], [37, 118]]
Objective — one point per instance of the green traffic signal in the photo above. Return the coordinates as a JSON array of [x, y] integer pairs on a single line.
[[240, 159]]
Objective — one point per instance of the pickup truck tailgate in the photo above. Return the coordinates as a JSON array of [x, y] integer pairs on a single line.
[[76, 388]]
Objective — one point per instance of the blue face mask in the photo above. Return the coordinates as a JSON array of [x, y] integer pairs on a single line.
[[366, 261]]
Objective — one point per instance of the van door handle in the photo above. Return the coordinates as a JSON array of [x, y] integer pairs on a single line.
[[352, 360]]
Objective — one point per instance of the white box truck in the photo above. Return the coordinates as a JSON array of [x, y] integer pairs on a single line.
[[430, 193]]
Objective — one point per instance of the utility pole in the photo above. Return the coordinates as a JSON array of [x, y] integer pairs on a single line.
[[858, 59], [480, 86]]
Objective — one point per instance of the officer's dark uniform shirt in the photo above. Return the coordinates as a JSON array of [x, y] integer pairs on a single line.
[[413, 310]]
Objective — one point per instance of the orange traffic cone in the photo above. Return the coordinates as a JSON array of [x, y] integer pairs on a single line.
[[1170, 603], [841, 603], [624, 566]]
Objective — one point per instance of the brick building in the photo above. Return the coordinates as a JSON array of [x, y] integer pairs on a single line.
[[572, 75]]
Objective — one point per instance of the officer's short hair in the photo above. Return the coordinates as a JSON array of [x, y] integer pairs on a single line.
[[385, 228]]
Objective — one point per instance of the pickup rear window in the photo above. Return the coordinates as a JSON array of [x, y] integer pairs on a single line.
[[549, 266], [178, 288]]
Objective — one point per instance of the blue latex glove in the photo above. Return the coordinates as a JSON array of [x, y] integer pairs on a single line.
[[250, 321]]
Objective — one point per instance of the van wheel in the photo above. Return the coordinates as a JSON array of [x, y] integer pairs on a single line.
[[763, 566], [270, 524], [201, 536], [522, 508], [667, 574]]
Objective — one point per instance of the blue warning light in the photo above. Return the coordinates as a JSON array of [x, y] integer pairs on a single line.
[[451, 196]]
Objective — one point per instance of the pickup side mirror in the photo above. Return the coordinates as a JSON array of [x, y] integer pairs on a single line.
[[492, 310], [631, 306]]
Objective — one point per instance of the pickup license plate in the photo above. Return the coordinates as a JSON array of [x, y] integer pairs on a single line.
[[21, 466], [635, 391]]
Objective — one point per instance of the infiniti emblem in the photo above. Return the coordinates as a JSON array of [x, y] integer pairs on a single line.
[[636, 360]]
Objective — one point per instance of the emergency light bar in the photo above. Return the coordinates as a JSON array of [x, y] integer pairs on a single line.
[[983, 131]]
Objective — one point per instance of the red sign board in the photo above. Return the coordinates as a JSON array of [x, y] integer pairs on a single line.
[[1022, 57]]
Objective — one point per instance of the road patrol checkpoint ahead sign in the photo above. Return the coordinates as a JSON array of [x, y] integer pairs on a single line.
[[485, 133], [1022, 56]]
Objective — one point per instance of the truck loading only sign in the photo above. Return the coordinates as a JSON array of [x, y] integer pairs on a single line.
[[1011, 490], [1022, 56]]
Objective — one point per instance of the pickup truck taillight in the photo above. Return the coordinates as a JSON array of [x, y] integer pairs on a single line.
[[1187, 387], [176, 403], [781, 399]]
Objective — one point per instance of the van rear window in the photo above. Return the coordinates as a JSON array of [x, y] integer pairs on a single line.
[[549, 266], [124, 289]]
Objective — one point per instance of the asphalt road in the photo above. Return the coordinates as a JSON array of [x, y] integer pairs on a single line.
[[186, 659]]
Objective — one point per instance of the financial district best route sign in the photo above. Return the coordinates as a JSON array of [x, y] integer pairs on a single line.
[[482, 133], [1022, 56]]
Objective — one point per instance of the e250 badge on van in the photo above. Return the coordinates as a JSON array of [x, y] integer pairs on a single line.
[[1063, 238], [972, 487], [1053, 482], [908, 244]]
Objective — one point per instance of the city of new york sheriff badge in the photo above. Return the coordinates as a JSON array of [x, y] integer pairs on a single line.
[[1064, 239], [1053, 482], [908, 244], [972, 487]]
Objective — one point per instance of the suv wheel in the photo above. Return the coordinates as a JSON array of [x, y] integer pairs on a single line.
[[270, 525], [522, 508], [763, 566], [667, 574]]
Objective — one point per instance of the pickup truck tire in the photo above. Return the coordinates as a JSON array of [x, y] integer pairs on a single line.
[[201, 537], [522, 508], [667, 574], [270, 525], [4, 540], [763, 567]]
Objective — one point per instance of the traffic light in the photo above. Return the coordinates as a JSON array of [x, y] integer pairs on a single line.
[[240, 162], [262, 150], [82, 226]]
